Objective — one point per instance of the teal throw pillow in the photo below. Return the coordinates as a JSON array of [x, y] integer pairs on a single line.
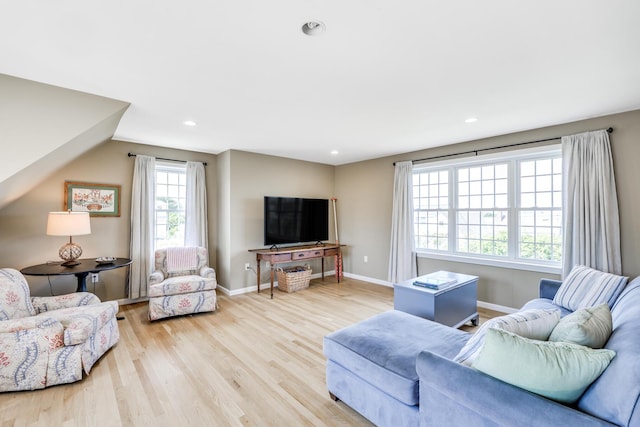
[[556, 370], [588, 326]]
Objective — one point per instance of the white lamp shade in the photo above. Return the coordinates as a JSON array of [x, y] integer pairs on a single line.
[[68, 224]]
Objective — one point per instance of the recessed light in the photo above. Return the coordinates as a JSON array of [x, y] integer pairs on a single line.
[[189, 123], [334, 152], [471, 120], [313, 28]]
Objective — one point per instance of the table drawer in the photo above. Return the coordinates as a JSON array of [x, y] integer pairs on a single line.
[[308, 254], [275, 258], [330, 252]]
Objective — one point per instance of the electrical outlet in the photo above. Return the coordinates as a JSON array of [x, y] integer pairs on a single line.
[[366, 258], [94, 277], [247, 266]]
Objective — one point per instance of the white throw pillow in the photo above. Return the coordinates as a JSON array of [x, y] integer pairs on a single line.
[[535, 324], [585, 287]]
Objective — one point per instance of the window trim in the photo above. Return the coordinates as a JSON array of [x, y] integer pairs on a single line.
[[514, 208]]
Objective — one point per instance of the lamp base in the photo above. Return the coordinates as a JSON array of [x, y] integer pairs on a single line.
[[69, 253]]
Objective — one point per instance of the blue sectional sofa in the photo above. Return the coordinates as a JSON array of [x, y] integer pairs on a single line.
[[397, 370]]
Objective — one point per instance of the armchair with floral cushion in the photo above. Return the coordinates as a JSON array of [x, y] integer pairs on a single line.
[[46, 341], [182, 283]]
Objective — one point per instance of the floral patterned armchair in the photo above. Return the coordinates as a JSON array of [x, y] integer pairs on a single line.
[[186, 290], [46, 341]]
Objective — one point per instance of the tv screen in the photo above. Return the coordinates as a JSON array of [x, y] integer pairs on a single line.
[[295, 220]]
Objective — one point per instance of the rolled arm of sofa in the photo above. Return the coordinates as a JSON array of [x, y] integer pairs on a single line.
[[454, 394], [207, 272], [29, 323], [549, 287], [156, 277], [76, 299]]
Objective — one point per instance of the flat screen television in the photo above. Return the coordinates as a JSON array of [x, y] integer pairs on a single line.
[[295, 220]]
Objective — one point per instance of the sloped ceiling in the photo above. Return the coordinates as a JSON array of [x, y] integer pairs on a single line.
[[44, 127]]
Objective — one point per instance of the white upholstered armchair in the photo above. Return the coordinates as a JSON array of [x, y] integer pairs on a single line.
[[182, 283], [46, 341]]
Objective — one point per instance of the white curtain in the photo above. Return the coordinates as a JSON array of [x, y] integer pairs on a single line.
[[142, 220], [590, 206], [196, 209], [402, 257]]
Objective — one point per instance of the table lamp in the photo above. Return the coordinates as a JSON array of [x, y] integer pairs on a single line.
[[69, 224]]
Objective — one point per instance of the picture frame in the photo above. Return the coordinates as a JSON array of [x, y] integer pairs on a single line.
[[97, 199]]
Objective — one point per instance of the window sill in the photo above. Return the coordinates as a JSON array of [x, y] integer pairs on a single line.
[[517, 265]]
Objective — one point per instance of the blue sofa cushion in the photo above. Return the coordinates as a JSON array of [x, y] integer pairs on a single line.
[[383, 350], [616, 394]]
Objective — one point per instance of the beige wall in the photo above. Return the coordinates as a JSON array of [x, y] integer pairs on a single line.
[[23, 241], [236, 184], [251, 177], [365, 190]]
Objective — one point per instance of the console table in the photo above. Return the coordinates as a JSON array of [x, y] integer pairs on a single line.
[[294, 253], [81, 271]]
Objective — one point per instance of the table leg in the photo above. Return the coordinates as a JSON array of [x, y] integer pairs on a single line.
[[322, 268], [82, 281], [272, 272], [258, 272]]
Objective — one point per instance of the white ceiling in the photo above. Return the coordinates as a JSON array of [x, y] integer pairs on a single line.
[[386, 77]]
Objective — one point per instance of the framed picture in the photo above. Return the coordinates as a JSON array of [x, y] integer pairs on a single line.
[[97, 199]]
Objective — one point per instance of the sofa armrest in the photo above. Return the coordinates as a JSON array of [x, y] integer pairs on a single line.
[[156, 277], [454, 394], [207, 272], [14, 326], [77, 299], [549, 287]]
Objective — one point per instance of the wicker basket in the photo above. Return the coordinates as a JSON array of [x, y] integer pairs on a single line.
[[293, 279]]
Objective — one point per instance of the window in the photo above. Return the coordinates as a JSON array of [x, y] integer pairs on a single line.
[[171, 192], [505, 209]]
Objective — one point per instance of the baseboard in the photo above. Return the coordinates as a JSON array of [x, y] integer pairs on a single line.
[[481, 304], [266, 286], [369, 279], [496, 307], [126, 301]]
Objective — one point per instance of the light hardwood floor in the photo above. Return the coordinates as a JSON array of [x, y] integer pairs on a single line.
[[253, 362]]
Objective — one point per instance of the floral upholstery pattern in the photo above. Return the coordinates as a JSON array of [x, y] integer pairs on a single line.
[[80, 323], [182, 285], [177, 305], [202, 268], [68, 335], [186, 292], [14, 295], [42, 304], [24, 352]]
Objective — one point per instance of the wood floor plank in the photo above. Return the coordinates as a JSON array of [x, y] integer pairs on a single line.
[[253, 362]]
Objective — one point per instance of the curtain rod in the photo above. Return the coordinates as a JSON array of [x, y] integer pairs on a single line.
[[168, 160], [609, 130]]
